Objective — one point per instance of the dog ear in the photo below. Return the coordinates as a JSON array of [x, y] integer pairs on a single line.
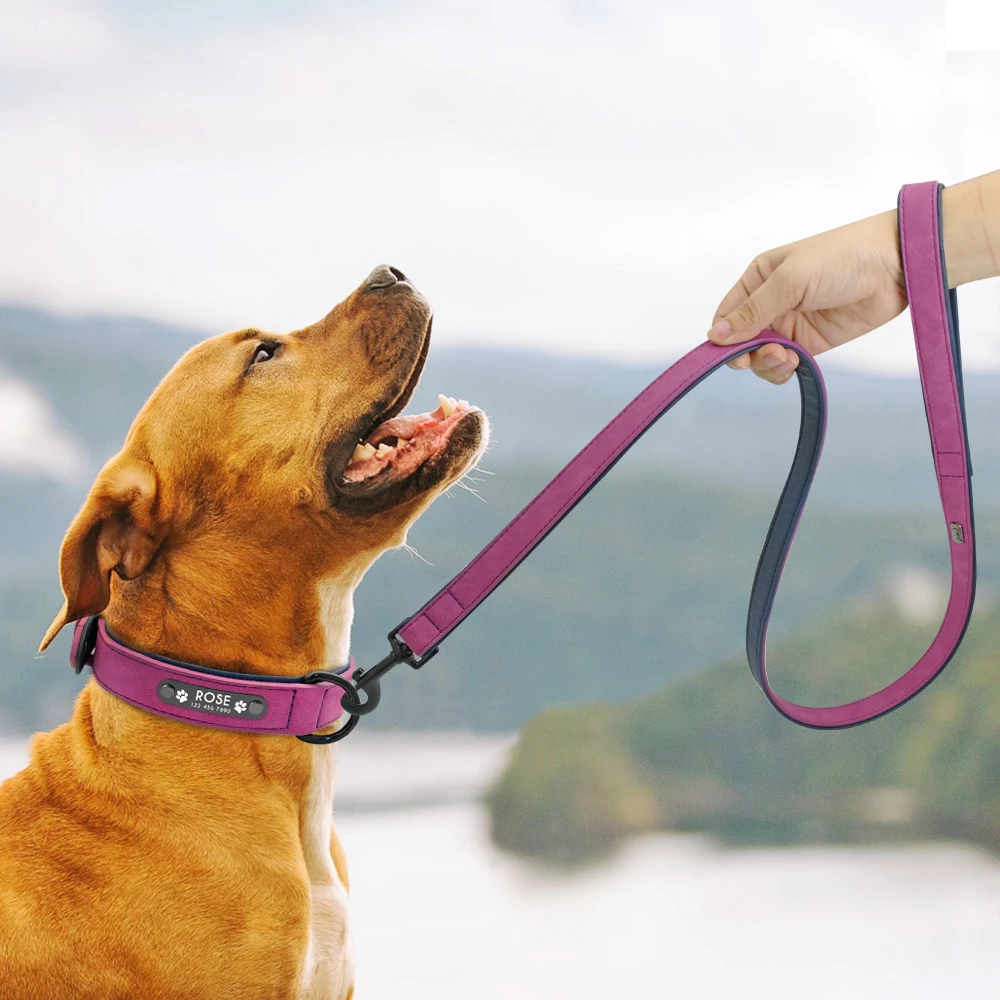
[[118, 530]]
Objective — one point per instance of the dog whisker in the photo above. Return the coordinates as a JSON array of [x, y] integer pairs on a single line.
[[471, 479], [469, 489], [414, 554]]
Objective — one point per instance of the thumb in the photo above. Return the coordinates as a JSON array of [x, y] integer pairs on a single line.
[[772, 299]]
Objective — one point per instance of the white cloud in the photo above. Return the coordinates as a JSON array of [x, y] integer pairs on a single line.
[[47, 34], [919, 594], [582, 179], [31, 441]]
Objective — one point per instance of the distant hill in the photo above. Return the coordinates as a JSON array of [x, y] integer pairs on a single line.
[[651, 572], [709, 754], [97, 371]]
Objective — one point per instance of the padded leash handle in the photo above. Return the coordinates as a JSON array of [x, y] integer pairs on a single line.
[[934, 315]]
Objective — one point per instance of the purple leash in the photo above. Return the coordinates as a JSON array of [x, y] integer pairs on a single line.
[[934, 314]]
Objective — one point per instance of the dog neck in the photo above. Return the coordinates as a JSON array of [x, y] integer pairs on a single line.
[[279, 618], [288, 644], [336, 603]]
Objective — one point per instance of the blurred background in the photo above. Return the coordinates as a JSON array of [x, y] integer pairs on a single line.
[[584, 794]]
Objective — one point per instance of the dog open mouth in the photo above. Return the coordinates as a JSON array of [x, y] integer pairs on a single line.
[[406, 455], [398, 447], [391, 457]]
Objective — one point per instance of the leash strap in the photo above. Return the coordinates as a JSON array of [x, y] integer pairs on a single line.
[[934, 315]]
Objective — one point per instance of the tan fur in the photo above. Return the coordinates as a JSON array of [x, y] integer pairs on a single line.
[[146, 858]]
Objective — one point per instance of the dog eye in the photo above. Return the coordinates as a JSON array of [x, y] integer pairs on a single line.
[[264, 352]]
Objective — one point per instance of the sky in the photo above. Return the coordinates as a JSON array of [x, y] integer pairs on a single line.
[[34, 442], [569, 175]]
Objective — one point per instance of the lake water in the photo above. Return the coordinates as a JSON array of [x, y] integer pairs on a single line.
[[440, 914]]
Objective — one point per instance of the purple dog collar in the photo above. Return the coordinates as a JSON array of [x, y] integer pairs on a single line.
[[300, 707], [222, 699]]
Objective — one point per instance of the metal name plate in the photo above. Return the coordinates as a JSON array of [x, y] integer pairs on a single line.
[[203, 699]]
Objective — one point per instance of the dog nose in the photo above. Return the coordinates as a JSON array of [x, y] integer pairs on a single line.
[[384, 276]]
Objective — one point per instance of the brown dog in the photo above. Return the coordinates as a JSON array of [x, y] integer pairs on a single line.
[[142, 857]]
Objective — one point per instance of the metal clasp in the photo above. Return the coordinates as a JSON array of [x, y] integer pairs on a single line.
[[349, 690], [368, 681]]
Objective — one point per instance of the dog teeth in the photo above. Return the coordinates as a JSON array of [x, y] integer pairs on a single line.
[[384, 449], [464, 404], [447, 404], [362, 453]]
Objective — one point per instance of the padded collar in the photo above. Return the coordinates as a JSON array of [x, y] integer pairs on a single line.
[[292, 706]]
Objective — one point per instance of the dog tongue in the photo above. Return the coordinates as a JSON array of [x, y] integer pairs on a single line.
[[401, 427], [419, 436], [406, 425]]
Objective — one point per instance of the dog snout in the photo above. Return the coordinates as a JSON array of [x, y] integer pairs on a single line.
[[385, 276]]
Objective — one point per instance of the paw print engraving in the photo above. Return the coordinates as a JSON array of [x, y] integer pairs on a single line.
[[240, 707], [182, 695]]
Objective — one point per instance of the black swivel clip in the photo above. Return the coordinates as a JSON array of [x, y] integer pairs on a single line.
[[367, 681]]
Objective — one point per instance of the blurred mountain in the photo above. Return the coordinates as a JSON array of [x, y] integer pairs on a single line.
[[709, 754], [651, 573], [96, 372]]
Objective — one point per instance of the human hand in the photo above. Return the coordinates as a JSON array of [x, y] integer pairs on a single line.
[[820, 292]]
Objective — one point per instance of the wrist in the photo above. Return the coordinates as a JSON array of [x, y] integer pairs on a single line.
[[971, 229], [886, 229]]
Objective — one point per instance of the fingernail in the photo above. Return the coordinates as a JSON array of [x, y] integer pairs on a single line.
[[721, 330], [770, 361], [785, 367]]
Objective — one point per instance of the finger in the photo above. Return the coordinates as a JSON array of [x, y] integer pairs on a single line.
[[773, 369], [770, 357], [767, 357], [751, 279], [777, 295]]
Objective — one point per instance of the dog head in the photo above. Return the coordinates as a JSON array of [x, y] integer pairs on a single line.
[[263, 464]]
